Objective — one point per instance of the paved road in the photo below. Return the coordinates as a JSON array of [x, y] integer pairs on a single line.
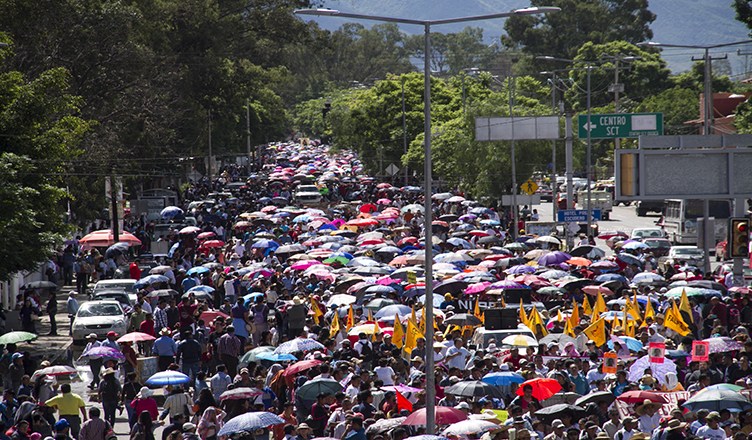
[[623, 218]]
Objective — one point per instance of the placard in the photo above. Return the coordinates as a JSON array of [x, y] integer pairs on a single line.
[[700, 351], [610, 360], [412, 277], [657, 352]]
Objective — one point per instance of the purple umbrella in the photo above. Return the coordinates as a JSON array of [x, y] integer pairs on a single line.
[[468, 218], [508, 284], [723, 344], [520, 269], [604, 264], [104, 352], [553, 258]]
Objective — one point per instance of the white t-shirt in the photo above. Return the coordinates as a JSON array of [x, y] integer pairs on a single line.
[[385, 374], [230, 288], [707, 432], [458, 361]]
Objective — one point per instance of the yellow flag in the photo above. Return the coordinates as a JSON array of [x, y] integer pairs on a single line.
[[370, 316], [674, 320], [449, 330], [536, 324], [586, 306], [574, 318], [411, 336], [412, 314], [399, 332], [559, 316], [568, 330], [626, 323], [478, 314], [317, 313], [422, 323], [523, 316], [599, 306], [685, 308], [334, 326], [632, 308], [597, 332], [649, 312], [350, 319]]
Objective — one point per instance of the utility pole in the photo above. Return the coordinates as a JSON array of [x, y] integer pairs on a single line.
[[404, 128], [707, 59], [515, 214], [617, 87], [569, 163]]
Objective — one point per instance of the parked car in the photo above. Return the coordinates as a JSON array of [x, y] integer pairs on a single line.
[[123, 284], [99, 318], [727, 266], [660, 247], [307, 195], [642, 207], [116, 295], [690, 255], [643, 233]]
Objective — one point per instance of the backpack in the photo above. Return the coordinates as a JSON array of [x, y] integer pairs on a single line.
[[366, 351]]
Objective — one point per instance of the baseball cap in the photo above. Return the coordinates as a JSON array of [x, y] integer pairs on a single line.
[[61, 424]]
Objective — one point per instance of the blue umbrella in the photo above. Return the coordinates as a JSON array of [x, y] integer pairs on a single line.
[[264, 244], [632, 343], [202, 288], [169, 377], [327, 227], [276, 357], [173, 249], [634, 245], [198, 270], [489, 222], [250, 422], [171, 212], [456, 241], [149, 280], [302, 218], [502, 378], [520, 270], [606, 277]]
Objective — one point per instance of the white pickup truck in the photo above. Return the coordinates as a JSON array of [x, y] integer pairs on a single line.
[[307, 195], [598, 200]]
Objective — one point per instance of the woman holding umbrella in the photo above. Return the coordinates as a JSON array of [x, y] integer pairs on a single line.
[[526, 398]]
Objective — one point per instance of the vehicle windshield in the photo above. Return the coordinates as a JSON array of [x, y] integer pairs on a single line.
[[647, 233], [93, 309], [681, 251], [117, 286], [113, 296], [658, 243]]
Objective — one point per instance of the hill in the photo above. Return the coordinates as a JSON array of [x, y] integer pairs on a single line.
[[694, 22]]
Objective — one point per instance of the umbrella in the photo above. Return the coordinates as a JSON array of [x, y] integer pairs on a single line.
[[252, 356], [637, 369], [189, 230], [210, 315], [520, 341], [554, 258], [55, 370], [299, 344], [581, 251], [135, 337], [151, 279], [39, 285], [445, 415], [160, 270], [548, 239], [473, 388], [639, 396], [104, 238], [722, 386], [557, 338], [314, 387], [596, 397], [468, 427], [543, 388], [426, 437], [240, 393], [394, 309], [632, 343], [170, 377], [297, 367], [384, 425], [503, 378], [249, 422], [103, 352], [560, 409], [118, 248], [341, 299], [463, 319], [16, 337], [717, 400], [276, 357], [198, 270], [171, 212], [723, 344]]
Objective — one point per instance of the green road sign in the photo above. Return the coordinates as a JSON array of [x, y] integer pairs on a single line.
[[621, 125]]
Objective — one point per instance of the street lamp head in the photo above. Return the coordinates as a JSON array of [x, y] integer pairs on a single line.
[[318, 11], [550, 58], [536, 10]]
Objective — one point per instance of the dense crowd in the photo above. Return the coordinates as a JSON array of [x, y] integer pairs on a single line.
[[272, 319]]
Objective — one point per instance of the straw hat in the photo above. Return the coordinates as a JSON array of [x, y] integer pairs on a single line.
[[107, 371], [646, 404]]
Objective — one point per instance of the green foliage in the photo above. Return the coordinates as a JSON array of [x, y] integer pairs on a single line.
[[580, 21], [678, 105], [41, 132], [453, 52]]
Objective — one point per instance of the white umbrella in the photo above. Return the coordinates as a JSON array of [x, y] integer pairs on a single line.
[[341, 299], [467, 427], [548, 239]]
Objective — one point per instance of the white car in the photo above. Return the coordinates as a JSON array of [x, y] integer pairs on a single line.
[[308, 195], [642, 233], [99, 317], [690, 255]]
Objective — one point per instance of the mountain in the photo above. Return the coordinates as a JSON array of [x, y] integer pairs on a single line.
[[693, 22]]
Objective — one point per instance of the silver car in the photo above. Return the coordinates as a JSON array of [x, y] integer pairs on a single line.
[[99, 318]]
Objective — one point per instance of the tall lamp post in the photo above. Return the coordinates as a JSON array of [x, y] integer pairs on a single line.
[[558, 109], [428, 180], [707, 126]]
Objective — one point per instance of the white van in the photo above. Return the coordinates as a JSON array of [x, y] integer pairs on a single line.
[[482, 336]]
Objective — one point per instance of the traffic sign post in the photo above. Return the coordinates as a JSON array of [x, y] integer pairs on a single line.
[[529, 187], [577, 215], [620, 125]]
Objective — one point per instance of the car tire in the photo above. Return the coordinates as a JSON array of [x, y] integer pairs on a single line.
[[641, 212]]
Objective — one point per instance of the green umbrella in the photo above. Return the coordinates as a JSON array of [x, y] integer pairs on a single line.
[[341, 260], [251, 356], [16, 337]]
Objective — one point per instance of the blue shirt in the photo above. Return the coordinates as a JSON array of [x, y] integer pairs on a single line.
[[581, 386], [165, 346], [189, 283], [356, 434]]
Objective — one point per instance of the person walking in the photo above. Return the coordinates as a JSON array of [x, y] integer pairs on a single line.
[[144, 428], [228, 349], [95, 365], [51, 312], [189, 351], [109, 394], [95, 428], [129, 392], [145, 402], [68, 405], [71, 306], [165, 348]]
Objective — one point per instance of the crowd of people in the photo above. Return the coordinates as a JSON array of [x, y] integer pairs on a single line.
[[315, 314]]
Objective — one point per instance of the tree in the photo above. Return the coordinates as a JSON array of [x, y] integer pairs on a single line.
[[579, 21], [453, 52], [678, 106], [41, 133]]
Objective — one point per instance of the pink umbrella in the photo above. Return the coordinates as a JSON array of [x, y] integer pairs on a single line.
[[305, 264], [477, 288], [593, 290], [270, 208], [338, 222], [136, 337], [383, 202], [206, 235], [385, 281]]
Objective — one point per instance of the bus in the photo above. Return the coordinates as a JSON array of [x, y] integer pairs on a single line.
[[680, 219]]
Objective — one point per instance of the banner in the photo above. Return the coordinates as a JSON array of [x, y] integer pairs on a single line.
[[657, 352], [610, 360], [412, 277], [700, 351]]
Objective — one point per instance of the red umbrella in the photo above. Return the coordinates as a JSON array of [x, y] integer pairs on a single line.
[[136, 337], [640, 396], [368, 207], [210, 315], [543, 388], [104, 238], [297, 367], [213, 244], [445, 415], [240, 393], [407, 240]]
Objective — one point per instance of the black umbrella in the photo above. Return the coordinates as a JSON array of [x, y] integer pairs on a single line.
[[448, 218], [707, 284], [163, 293], [557, 411], [463, 319], [451, 286], [117, 249], [571, 285], [473, 388], [491, 239], [581, 251], [600, 396]]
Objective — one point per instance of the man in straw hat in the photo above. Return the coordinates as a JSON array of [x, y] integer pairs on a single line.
[[712, 430], [165, 348], [649, 419]]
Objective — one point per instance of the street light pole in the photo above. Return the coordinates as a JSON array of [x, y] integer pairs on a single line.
[[589, 158], [427, 178], [404, 127]]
